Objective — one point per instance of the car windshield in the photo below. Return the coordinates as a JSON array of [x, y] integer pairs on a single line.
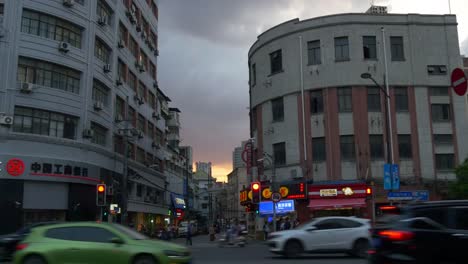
[[130, 232]]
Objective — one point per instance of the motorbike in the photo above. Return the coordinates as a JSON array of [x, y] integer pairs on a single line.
[[239, 240]]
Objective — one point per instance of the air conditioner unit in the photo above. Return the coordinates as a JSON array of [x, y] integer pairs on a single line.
[[107, 68], [131, 16], [151, 45], [119, 81], [98, 105], [137, 133], [139, 99], [26, 87], [142, 68], [6, 120], [102, 21], [137, 64], [156, 116], [64, 47], [156, 53], [88, 133], [155, 145], [155, 85], [68, 3], [121, 44], [295, 173], [143, 35], [119, 118], [138, 28]]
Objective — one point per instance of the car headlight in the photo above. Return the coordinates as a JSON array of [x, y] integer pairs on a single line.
[[176, 254]]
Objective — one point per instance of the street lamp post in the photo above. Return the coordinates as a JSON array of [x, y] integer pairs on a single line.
[[273, 185]]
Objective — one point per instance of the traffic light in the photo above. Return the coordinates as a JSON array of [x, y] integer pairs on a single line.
[[101, 195], [256, 189], [369, 191]]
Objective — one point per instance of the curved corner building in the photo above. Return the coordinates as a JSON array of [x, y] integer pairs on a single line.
[[324, 124], [69, 68]]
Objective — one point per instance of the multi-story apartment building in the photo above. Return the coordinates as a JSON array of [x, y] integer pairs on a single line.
[[79, 79], [204, 166], [322, 122]]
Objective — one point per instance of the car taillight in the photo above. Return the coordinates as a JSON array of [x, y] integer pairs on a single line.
[[396, 235], [21, 246]]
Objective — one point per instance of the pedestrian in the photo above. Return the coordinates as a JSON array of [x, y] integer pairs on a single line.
[[212, 233], [287, 224], [188, 237], [266, 230], [282, 225]]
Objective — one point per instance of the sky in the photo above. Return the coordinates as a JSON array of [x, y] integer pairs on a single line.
[[203, 60]]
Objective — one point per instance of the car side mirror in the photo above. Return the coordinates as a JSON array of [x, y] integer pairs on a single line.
[[117, 241], [311, 228]]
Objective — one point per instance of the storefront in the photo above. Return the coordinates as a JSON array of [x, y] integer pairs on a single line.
[[339, 199]]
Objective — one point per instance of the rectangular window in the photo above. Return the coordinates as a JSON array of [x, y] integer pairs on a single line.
[[314, 53], [445, 162], [133, 47], [118, 144], [439, 91], [48, 75], [1, 9], [119, 108], [318, 149], [279, 153], [100, 93], [277, 109], [142, 91], [436, 69], [51, 27], [276, 61], [122, 71], [132, 81], [401, 99], [376, 146], [154, 8], [104, 11], [160, 136], [123, 34], [440, 112], [100, 134], [131, 116], [341, 49], [373, 99], [141, 123], [152, 70], [345, 100], [102, 51], [139, 191], [396, 45], [347, 147], [404, 146], [152, 100], [253, 76], [316, 102], [43, 122], [150, 131], [144, 60], [369, 45], [443, 139], [140, 155]]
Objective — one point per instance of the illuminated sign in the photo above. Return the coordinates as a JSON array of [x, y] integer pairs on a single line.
[[284, 191], [57, 169], [282, 207], [348, 191], [328, 192], [243, 196], [15, 167], [266, 193]]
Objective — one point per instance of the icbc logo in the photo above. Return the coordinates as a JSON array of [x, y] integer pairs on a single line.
[[15, 167]]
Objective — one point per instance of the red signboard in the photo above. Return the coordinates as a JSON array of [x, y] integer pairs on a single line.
[[15, 167], [334, 191], [247, 156], [459, 82]]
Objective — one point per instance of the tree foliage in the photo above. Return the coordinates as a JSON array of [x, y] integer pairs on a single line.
[[459, 189]]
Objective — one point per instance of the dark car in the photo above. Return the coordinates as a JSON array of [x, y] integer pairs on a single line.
[[430, 232], [8, 242]]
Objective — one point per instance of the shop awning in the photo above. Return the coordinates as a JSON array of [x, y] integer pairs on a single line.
[[320, 204]]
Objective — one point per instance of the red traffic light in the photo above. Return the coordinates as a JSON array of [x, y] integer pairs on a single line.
[[255, 186], [101, 188]]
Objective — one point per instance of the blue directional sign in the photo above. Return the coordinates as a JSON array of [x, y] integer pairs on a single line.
[[409, 195], [421, 195], [387, 177], [395, 177], [282, 207]]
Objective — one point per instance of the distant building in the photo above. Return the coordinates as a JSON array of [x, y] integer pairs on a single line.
[[204, 166]]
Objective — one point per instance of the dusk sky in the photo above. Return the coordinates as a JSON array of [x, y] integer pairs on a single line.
[[203, 60]]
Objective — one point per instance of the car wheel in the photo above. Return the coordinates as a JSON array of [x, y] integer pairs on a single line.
[[293, 249], [34, 260], [360, 248], [144, 260]]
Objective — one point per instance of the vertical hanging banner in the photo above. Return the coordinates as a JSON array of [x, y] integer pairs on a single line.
[[387, 176], [247, 157]]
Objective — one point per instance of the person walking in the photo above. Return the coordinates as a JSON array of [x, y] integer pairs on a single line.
[[287, 224], [188, 237]]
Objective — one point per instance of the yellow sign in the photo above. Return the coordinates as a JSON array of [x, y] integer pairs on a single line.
[[328, 192], [266, 193], [284, 191], [250, 195], [348, 191]]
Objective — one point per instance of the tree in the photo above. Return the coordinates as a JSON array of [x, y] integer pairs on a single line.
[[459, 189]]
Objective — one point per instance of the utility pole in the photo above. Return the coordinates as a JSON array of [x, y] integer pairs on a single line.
[[124, 206]]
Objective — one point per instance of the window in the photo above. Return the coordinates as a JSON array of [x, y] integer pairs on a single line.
[[131, 116], [445, 162], [341, 49], [133, 47], [152, 100], [100, 134], [204, 206], [369, 45], [104, 11], [254, 74], [313, 52], [143, 60], [81, 233], [122, 71], [152, 70], [376, 146], [345, 100], [279, 153], [142, 90], [316, 102], [328, 224], [149, 158], [438, 91], [277, 109], [347, 147], [119, 107], [154, 8], [373, 99], [141, 123], [100, 93], [51, 27], [396, 45], [404, 146], [318, 149], [401, 99], [150, 131], [139, 191], [437, 214], [440, 112], [436, 69], [132, 81], [276, 62], [102, 51], [123, 34], [1, 9], [461, 218], [145, 25], [118, 144], [140, 155], [42, 122], [48, 74], [159, 136], [443, 139]]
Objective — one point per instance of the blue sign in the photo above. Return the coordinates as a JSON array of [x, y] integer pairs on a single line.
[[409, 195], [395, 177], [178, 201], [387, 176], [421, 195], [282, 207]]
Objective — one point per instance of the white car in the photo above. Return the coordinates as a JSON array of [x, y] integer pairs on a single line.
[[324, 235]]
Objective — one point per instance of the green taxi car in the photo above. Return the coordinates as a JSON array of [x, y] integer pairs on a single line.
[[95, 243]]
